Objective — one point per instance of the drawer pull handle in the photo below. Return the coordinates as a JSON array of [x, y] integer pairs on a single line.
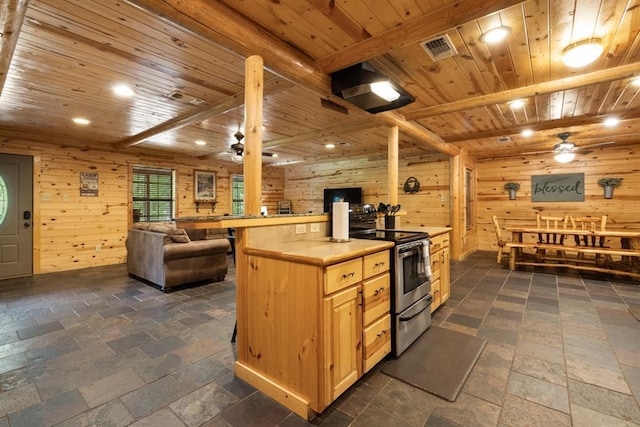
[[347, 275], [378, 264], [382, 332], [378, 291]]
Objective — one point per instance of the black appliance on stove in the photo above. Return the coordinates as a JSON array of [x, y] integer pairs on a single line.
[[410, 275]]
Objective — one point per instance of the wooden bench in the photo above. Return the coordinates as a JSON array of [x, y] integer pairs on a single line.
[[603, 262]]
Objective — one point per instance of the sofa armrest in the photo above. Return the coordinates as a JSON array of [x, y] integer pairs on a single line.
[[145, 250]]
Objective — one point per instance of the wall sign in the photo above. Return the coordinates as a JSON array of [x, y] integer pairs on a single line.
[[567, 187], [88, 183]]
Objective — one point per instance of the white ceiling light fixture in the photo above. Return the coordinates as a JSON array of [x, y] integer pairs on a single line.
[[495, 35], [123, 90], [564, 157], [329, 145], [636, 81], [526, 133], [611, 122], [582, 53], [200, 142], [516, 103], [81, 121], [385, 91]]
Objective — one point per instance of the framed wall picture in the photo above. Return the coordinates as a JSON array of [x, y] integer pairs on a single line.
[[204, 186]]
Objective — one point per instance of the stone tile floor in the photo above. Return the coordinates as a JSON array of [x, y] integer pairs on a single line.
[[94, 347]]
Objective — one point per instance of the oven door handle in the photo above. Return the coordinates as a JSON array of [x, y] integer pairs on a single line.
[[407, 253], [428, 300]]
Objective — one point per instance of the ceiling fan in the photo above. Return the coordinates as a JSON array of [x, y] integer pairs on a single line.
[[237, 149], [565, 151]]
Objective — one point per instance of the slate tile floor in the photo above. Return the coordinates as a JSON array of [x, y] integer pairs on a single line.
[[93, 347]]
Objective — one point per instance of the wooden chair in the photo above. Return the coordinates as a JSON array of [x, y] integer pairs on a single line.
[[551, 223], [501, 241], [589, 223]]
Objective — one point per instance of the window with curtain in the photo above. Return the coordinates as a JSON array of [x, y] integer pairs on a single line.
[[237, 194], [153, 194]]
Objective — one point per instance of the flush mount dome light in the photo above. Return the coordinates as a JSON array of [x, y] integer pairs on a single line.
[[582, 53], [565, 157], [495, 35], [564, 150]]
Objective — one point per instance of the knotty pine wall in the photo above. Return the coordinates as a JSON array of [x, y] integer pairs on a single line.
[[68, 227], [304, 185], [623, 209]]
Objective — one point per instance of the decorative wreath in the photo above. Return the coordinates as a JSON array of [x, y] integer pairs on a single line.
[[411, 185]]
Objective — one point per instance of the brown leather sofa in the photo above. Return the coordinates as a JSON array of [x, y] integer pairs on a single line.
[[166, 256]]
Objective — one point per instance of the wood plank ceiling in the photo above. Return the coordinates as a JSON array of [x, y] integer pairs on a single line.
[[185, 61]]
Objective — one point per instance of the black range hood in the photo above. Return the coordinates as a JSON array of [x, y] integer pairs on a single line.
[[353, 84]]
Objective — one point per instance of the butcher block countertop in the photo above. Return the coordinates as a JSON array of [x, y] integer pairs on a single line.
[[320, 251]]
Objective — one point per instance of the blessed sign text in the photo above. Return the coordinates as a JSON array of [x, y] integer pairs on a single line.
[[557, 188]]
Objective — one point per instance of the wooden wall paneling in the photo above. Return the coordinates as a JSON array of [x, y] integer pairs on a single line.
[[68, 227]]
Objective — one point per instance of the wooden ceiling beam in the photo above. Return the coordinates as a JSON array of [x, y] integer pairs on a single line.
[[413, 31], [563, 123], [11, 19], [322, 133], [627, 71], [232, 102], [215, 22]]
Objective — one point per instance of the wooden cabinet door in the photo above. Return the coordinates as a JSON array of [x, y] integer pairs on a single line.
[[343, 341], [445, 275]]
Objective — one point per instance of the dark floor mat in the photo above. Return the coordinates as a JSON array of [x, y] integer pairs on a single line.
[[438, 362], [635, 311]]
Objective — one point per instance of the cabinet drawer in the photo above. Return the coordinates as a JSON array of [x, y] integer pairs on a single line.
[[376, 294], [340, 276], [435, 266], [436, 293], [376, 263], [439, 242], [377, 342]]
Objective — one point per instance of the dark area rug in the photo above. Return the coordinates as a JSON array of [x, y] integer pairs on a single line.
[[438, 362]]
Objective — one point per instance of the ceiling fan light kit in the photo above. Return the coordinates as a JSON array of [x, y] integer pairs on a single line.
[[582, 53], [564, 157]]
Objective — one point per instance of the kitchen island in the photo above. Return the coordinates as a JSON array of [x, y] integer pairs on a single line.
[[313, 317]]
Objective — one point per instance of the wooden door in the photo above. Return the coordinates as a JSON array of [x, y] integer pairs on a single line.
[[343, 341], [16, 215]]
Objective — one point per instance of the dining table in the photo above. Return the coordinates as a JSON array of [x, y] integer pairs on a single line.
[[626, 242]]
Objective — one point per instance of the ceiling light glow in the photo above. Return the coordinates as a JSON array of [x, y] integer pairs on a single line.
[[81, 121], [123, 90], [385, 91], [200, 142], [611, 122], [527, 133], [517, 103], [636, 81], [564, 157], [582, 53], [330, 145], [495, 35]]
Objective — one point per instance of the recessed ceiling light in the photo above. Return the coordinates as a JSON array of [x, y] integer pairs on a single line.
[[516, 103], [201, 142], [496, 34], [636, 81], [527, 133], [611, 121], [582, 53], [81, 121], [274, 154], [330, 145], [123, 90]]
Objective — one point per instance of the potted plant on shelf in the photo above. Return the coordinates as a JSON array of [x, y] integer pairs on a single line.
[[608, 184], [512, 187]]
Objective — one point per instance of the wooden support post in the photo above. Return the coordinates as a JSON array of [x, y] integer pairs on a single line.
[[392, 165], [254, 84]]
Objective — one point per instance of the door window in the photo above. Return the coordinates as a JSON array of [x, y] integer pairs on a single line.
[[4, 199]]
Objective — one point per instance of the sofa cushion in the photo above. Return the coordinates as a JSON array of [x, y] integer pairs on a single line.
[[179, 235], [196, 233], [195, 248], [162, 228]]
